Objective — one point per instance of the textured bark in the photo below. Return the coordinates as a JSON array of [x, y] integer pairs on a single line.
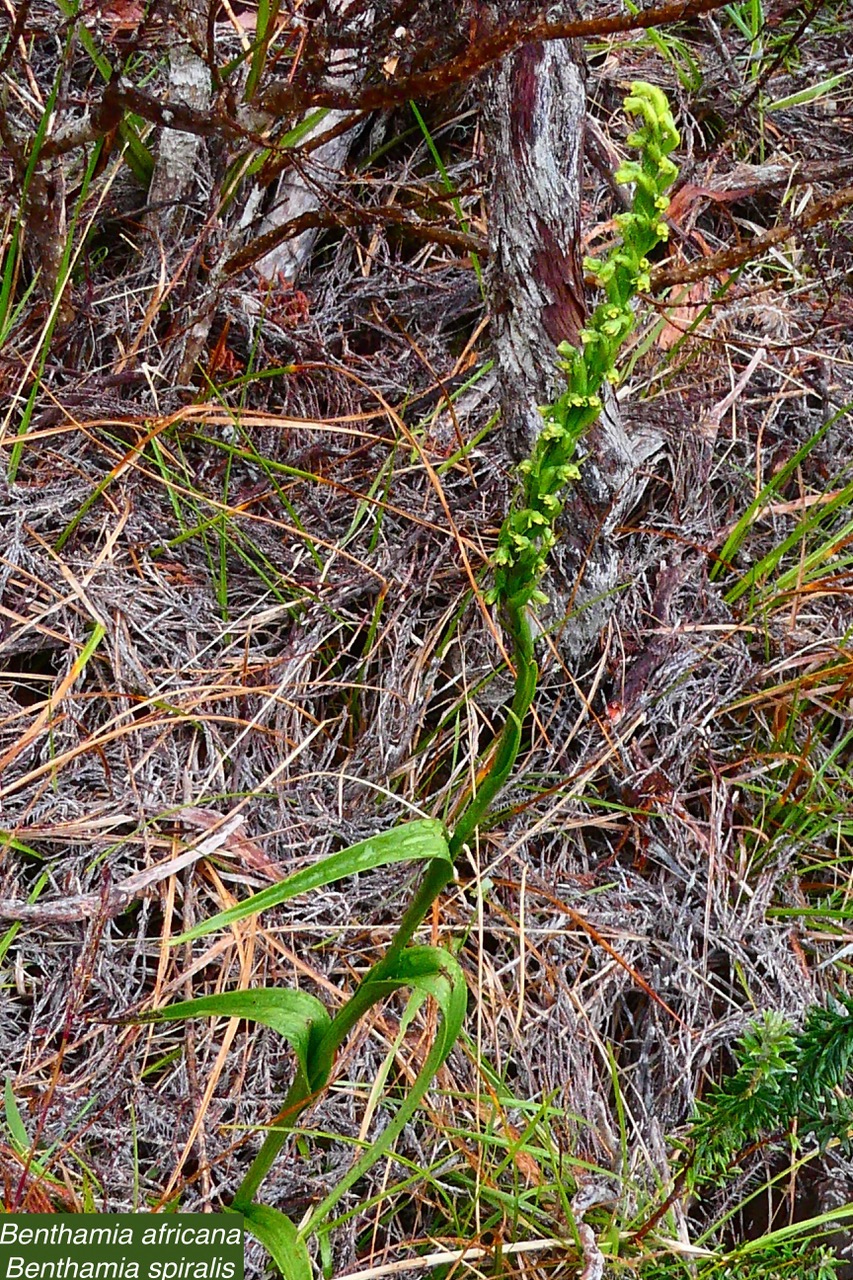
[[176, 168], [534, 120], [47, 229], [301, 192], [175, 179], [296, 196]]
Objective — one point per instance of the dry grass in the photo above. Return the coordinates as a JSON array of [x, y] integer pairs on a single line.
[[258, 598]]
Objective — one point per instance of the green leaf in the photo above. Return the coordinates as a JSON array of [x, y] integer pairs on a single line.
[[810, 94], [296, 1015], [427, 971], [422, 840], [20, 1137], [280, 1238]]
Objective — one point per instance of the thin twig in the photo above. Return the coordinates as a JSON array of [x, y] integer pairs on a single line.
[[726, 259]]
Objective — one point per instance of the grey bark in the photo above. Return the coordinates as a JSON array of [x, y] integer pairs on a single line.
[[295, 196], [178, 163], [303, 191], [534, 117], [176, 168], [535, 105]]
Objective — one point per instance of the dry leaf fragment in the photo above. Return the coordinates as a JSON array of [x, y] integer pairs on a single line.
[[237, 846], [684, 313]]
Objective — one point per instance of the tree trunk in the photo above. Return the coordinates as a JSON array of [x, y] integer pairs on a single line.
[[176, 169], [304, 191], [535, 108]]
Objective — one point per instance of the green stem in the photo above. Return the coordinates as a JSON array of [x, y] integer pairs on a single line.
[[517, 622], [438, 873], [298, 1096]]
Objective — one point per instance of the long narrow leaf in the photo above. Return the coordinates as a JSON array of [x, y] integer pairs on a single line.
[[770, 491], [434, 972], [280, 1238], [811, 521], [14, 1121], [419, 841]]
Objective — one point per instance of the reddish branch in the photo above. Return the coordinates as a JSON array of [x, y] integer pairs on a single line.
[[663, 277], [326, 219], [284, 98], [727, 259]]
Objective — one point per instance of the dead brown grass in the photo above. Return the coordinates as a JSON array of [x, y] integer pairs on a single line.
[[295, 652]]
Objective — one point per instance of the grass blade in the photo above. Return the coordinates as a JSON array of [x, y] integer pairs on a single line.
[[770, 490], [14, 1120]]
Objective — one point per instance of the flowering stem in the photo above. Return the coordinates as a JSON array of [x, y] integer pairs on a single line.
[[527, 536], [528, 533]]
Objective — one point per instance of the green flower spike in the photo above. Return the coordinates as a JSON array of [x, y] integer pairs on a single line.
[[520, 563]]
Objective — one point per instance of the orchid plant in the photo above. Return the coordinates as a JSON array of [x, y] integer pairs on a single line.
[[527, 537], [528, 533]]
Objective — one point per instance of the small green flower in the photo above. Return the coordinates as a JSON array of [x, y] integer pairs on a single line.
[[627, 172], [551, 431]]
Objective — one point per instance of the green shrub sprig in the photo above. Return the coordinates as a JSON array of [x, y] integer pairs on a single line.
[[783, 1078]]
